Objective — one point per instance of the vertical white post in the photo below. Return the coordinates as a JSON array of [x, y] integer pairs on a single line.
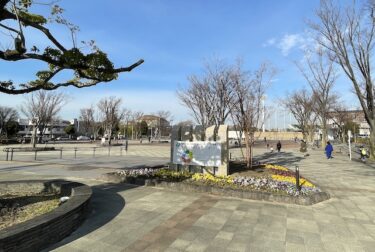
[[263, 115], [276, 120], [350, 148]]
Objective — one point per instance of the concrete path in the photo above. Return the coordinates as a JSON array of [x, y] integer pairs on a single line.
[[129, 218]]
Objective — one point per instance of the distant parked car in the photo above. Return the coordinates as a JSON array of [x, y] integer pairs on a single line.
[[63, 139], [81, 138], [45, 139], [233, 142]]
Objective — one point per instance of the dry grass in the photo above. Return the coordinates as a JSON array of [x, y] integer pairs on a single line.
[[25, 207]]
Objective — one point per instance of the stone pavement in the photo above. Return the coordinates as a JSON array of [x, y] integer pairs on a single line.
[[84, 167], [130, 218], [87, 151]]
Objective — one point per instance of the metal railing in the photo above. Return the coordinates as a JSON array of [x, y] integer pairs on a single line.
[[84, 151]]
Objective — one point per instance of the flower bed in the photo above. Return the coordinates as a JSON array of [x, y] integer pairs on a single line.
[[255, 188], [162, 174], [277, 183], [280, 180]]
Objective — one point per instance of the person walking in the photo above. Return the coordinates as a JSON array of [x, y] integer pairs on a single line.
[[363, 154], [329, 150], [303, 146], [278, 146]]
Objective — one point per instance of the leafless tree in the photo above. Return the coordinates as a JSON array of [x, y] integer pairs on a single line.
[[89, 121], [197, 99], [136, 117], [128, 115], [41, 108], [7, 115], [348, 36], [246, 106], [208, 97], [320, 74], [162, 127], [185, 123], [301, 104], [111, 114], [165, 114], [340, 117], [220, 81]]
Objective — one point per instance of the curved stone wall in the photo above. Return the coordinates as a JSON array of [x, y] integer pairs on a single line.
[[49, 228]]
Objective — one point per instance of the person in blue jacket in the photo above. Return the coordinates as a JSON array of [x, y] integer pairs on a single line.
[[329, 150]]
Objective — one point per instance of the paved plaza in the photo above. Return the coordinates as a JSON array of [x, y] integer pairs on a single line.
[[130, 218]]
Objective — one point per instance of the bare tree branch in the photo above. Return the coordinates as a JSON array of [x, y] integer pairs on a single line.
[[349, 37]]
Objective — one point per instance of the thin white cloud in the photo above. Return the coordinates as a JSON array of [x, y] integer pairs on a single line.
[[290, 41], [269, 42]]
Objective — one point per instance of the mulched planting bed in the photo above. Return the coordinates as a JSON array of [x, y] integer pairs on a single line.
[[18, 208]]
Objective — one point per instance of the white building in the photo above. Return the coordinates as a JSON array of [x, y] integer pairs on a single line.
[[357, 116], [56, 129]]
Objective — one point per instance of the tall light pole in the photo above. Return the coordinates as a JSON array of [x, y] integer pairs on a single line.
[[276, 126], [263, 113]]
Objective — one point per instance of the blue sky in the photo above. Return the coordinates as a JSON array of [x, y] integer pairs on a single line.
[[175, 38]]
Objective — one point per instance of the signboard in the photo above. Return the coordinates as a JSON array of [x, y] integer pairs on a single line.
[[202, 153]]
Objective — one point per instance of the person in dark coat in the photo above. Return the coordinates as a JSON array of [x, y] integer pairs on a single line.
[[278, 146], [303, 146], [329, 150]]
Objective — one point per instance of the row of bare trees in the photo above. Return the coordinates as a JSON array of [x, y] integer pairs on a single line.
[[347, 34], [229, 93], [109, 116], [312, 107], [42, 109], [345, 37]]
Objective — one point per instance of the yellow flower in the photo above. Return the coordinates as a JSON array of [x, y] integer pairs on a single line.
[[302, 181], [211, 178], [277, 167]]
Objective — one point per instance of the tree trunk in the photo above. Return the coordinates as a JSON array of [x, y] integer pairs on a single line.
[[324, 133], [311, 134], [304, 135], [343, 138], [109, 136], [248, 150], [33, 138], [372, 139]]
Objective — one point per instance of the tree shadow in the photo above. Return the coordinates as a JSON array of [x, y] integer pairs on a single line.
[[106, 203], [287, 159]]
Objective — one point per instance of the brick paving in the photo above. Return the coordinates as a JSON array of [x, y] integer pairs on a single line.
[[162, 236]]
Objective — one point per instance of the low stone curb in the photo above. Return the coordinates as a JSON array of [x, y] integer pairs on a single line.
[[47, 229], [188, 187]]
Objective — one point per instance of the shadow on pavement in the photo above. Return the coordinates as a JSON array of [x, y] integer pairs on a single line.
[[105, 205], [280, 158]]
